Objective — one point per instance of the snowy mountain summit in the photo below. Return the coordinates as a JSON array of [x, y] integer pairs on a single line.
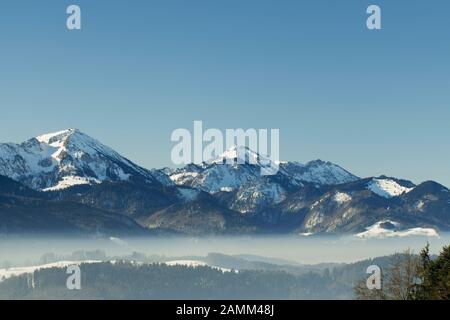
[[238, 169], [66, 158], [228, 194], [62, 159], [240, 155]]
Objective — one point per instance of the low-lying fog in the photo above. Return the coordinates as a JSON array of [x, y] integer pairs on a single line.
[[303, 250]]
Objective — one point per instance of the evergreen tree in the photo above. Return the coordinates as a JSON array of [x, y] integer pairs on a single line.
[[434, 276]]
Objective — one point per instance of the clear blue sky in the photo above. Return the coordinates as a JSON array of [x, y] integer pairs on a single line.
[[373, 102]]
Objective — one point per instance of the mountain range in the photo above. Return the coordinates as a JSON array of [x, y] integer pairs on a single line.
[[68, 182]]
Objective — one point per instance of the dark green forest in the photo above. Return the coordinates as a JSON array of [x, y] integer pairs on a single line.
[[406, 276], [125, 280]]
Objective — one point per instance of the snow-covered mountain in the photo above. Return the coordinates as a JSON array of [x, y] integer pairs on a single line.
[[66, 158], [387, 188], [318, 172], [95, 188], [389, 229], [240, 172], [226, 174]]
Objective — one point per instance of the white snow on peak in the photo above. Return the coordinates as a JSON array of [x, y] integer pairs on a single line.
[[77, 144], [241, 154], [62, 159], [59, 135], [341, 197], [214, 178], [182, 177], [377, 231], [318, 172], [387, 188], [227, 172]]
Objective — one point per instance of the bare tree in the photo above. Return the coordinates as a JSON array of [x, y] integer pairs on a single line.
[[398, 282]]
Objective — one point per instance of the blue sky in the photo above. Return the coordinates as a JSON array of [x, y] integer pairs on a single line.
[[375, 102]]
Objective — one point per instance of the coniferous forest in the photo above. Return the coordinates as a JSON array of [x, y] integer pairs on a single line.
[[406, 276]]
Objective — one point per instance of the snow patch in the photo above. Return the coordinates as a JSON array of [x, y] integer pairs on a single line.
[[241, 154], [306, 234], [419, 205], [46, 138], [213, 178], [387, 188], [70, 181], [180, 178], [377, 231], [342, 197]]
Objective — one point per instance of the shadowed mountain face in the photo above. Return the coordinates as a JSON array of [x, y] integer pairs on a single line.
[[70, 182], [23, 210]]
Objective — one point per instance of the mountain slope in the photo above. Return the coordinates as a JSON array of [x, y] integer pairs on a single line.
[[355, 207], [318, 172], [241, 173], [63, 159], [203, 216], [240, 166], [128, 198], [24, 211], [70, 181]]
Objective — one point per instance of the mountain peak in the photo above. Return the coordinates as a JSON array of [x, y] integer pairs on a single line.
[[65, 158], [59, 135], [318, 162], [74, 142], [242, 153], [235, 152], [319, 172]]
